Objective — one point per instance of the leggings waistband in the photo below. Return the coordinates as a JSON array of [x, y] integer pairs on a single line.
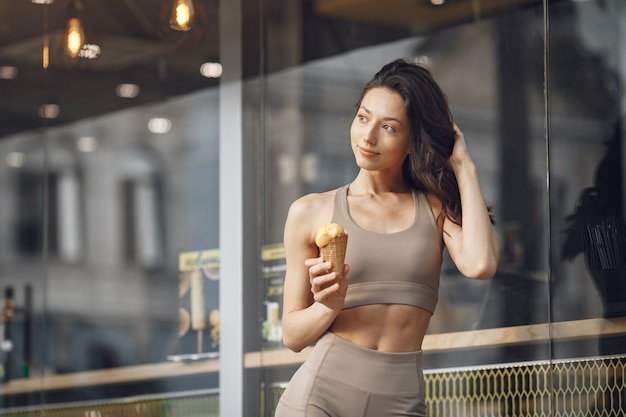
[[340, 360]]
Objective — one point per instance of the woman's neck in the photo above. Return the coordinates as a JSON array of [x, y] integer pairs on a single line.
[[377, 183]]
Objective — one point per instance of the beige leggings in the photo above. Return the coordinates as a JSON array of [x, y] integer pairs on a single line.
[[342, 379]]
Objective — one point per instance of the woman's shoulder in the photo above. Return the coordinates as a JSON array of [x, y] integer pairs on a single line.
[[307, 213], [313, 205], [313, 202], [435, 205]]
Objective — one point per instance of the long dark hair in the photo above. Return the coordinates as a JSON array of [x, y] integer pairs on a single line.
[[432, 134]]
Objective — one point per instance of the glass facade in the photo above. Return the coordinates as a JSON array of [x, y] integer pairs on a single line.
[[145, 185]]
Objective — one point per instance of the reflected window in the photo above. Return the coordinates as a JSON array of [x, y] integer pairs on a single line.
[[61, 198], [141, 209]]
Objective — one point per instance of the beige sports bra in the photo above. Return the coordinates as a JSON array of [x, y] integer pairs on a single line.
[[392, 268]]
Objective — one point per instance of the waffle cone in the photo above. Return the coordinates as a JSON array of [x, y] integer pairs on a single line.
[[335, 252]]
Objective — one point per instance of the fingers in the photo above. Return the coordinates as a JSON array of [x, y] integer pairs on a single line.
[[326, 294], [321, 276], [312, 261], [333, 295], [317, 267], [459, 134], [325, 283]]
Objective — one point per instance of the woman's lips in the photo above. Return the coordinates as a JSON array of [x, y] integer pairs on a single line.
[[366, 152]]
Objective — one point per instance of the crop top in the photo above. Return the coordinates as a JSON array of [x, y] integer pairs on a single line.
[[392, 268]]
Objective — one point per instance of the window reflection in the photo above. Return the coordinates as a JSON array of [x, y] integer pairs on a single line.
[[141, 225], [585, 158], [69, 216], [492, 90], [120, 204], [59, 180]]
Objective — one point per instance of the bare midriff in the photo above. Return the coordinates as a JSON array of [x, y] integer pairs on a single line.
[[383, 327]]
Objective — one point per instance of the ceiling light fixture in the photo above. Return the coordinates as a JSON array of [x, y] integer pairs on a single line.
[[182, 23], [437, 2], [15, 159], [182, 15], [87, 144], [127, 90], [90, 51], [8, 72], [423, 60], [49, 111], [211, 69], [159, 125], [45, 52], [74, 36]]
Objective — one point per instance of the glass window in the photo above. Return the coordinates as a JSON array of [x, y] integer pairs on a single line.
[[112, 118], [490, 63], [586, 170], [110, 219]]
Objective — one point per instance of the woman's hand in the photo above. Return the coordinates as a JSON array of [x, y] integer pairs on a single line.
[[460, 153], [327, 287]]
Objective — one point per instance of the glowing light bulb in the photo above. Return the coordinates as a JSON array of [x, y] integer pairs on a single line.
[[127, 90], [87, 144], [182, 15], [74, 38], [159, 125], [8, 72], [49, 111], [15, 159], [211, 69]]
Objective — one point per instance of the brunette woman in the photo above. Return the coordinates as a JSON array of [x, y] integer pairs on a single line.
[[416, 193]]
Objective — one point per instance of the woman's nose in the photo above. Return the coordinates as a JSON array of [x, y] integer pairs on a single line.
[[370, 135]]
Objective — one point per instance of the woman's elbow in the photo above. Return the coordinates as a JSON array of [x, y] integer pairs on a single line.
[[481, 270], [293, 347], [292, 343], [484, 274], [291, 339]]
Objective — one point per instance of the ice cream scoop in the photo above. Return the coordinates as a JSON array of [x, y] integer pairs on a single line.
[[332, 240], [327, 232]]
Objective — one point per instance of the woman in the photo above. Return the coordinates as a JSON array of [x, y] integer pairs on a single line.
[[416, 192]]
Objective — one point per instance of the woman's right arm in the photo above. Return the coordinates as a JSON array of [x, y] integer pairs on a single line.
[[312, 297]]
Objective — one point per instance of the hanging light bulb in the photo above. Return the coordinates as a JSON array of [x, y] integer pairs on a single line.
[[74, 36], [182, 15]]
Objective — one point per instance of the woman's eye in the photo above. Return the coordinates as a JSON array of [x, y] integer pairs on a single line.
[[389, 128]]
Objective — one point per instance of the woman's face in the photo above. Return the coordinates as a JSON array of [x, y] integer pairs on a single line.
[[380, 131]]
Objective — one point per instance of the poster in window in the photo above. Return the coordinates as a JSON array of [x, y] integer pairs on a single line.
[[273, 273], [198, 294]]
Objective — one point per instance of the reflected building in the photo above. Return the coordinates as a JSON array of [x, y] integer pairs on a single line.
[[145, 189]]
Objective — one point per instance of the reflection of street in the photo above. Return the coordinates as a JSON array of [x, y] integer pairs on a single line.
[[597, 229]]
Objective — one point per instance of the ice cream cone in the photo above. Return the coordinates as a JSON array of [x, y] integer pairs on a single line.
[[335, 252]]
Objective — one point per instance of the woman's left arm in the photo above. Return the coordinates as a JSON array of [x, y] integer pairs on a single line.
[[473, 246]]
